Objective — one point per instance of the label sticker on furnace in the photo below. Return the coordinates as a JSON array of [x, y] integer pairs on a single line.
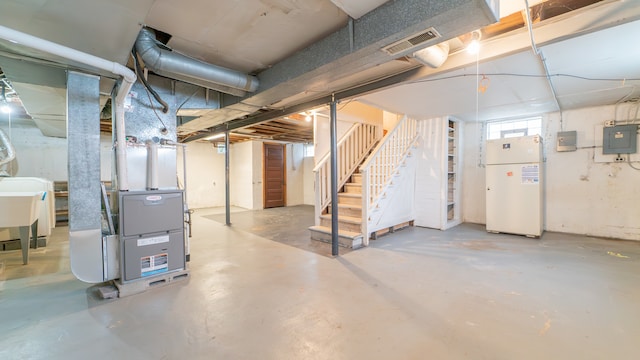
[[154, 264], [530, 174]]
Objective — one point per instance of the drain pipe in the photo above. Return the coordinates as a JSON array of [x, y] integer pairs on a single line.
[[128, 79]]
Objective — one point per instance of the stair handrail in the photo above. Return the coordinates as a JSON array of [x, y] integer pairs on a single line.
[[383, 162], [353, 147]]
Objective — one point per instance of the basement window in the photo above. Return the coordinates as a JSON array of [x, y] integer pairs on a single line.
[[514, 128], [309, 150]]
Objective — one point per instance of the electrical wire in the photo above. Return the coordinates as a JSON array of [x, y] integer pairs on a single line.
[[138, 69], [164, 127], [523, 75], [631, 164]]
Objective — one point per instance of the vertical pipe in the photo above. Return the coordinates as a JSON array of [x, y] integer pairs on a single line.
[[152, 165], [226, 179], [334, 178]]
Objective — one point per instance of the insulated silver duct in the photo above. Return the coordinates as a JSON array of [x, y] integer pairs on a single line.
[[180, 67], [5, 145]]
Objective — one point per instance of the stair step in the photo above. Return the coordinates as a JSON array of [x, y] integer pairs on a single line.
[[356, 178], [348, 239], [349, 198], [345, 219], [354, 210], [348, 223], [353, 188]]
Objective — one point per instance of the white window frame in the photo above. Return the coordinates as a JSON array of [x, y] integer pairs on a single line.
[[533, 126]]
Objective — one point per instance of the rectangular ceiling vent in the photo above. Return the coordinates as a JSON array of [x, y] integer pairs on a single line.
[[411, 41]]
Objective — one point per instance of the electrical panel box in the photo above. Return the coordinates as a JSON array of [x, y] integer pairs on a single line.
[[566, 141], [620, 139]]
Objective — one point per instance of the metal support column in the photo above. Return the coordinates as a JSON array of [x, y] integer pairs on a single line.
[[226, 179], [334, 178]]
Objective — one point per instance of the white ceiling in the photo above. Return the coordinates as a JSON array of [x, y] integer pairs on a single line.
[[247, 35], [593, 44]]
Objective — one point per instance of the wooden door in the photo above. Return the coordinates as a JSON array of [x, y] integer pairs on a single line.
[[274, 176]]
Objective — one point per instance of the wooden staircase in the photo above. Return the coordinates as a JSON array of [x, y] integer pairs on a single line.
[[349, 216], [368, 167]]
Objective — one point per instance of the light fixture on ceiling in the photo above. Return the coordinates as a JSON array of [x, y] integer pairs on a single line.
[[216, 136], [309, 116], [474, 45], [483, 84]]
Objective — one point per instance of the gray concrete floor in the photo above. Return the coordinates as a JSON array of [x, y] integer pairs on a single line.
[[414, 294]]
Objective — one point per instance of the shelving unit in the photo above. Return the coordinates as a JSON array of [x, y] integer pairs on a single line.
[[453, 199], [61, 192]]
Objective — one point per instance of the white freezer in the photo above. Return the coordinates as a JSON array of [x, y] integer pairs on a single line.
[[514, 199], [514, 180]]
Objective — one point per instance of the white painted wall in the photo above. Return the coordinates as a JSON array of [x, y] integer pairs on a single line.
[[38, 155], [390, 120], [582, 196], [241, 174], [308, 181], [348, 114], [295, 174], [473, 173], [46, 157], [205, 175], [257, 175]]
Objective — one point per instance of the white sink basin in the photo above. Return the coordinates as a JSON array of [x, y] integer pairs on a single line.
[[21, 209]]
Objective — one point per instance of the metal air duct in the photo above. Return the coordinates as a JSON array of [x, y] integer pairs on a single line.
[[180, 67], [8, 149]]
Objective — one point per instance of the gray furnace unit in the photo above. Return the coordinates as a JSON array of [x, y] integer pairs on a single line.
[[151, 233]]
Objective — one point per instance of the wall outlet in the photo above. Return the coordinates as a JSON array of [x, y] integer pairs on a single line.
[[610, 123], [620, 158]]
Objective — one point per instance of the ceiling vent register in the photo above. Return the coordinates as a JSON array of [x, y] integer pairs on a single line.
[[411, 41]]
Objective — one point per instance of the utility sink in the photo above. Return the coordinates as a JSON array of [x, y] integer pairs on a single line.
[[21, 210]]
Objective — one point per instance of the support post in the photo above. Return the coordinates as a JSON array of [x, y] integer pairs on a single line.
[[226, 179], [334, 178]]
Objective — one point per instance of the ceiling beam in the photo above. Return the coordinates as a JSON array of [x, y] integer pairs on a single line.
[[351, 50]]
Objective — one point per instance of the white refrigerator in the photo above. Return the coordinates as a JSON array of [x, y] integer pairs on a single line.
[[514, 180]]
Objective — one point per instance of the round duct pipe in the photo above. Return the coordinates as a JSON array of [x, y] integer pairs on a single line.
[[433, 56], [180, 67]]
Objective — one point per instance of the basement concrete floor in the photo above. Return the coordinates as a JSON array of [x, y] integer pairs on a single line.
[[414, 294]]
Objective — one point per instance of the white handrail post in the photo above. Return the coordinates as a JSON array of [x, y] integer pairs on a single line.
[[364, 227]]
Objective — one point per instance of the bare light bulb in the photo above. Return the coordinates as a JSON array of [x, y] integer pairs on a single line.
[[473, 47]]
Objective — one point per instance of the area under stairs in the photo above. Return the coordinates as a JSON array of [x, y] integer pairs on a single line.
[[349, 216]]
